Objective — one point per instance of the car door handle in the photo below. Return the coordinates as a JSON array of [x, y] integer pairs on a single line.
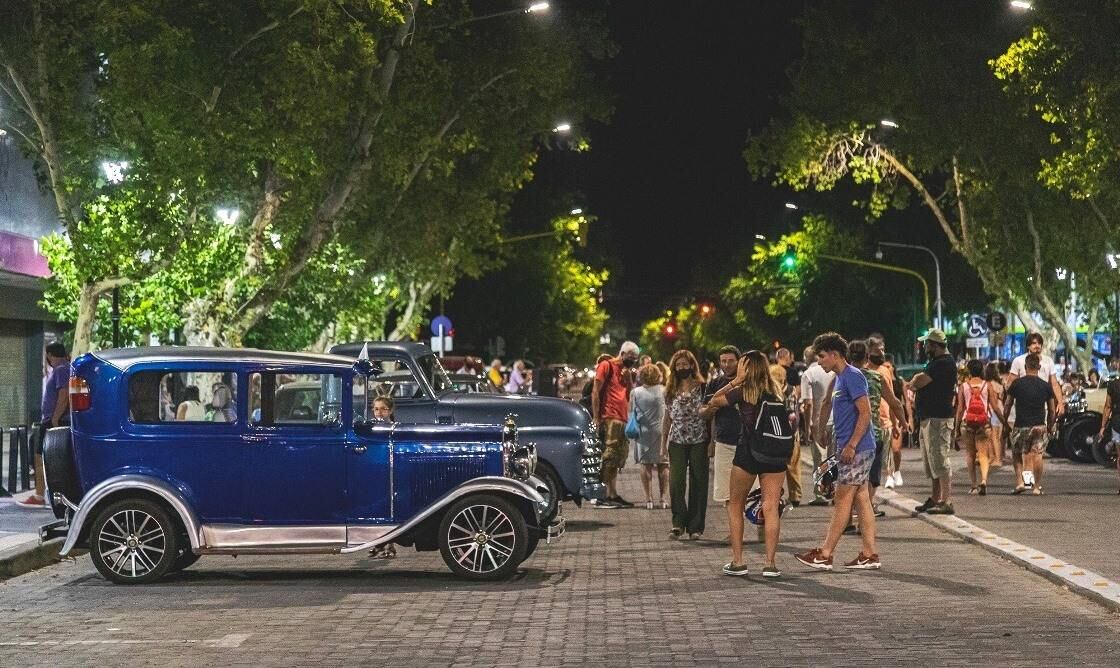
[[358, 449]]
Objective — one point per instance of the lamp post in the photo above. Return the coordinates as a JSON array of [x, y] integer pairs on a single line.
[[937, 275]]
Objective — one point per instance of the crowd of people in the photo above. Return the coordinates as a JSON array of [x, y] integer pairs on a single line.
[[743, 421]]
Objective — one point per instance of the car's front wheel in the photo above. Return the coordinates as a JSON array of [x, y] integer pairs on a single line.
[[133, 541], [555, 494], [483, 537]]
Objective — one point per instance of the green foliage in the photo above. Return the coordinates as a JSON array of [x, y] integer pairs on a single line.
[[964, 149], [345, 163]]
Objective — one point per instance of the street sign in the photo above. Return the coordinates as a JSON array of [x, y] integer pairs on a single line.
[[976, 342], [441, 345], [441, 321], [977, 326], [997, 321]]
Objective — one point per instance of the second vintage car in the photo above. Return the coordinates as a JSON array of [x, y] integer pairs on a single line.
[[175, 453], [567, 444]]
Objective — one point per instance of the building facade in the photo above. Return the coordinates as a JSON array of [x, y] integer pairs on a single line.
[[27, 214]]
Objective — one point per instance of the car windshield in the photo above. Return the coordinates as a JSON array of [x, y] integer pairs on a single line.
[[433, 371]]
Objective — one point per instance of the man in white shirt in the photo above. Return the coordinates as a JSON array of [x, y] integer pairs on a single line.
[[1046, 373], [1018, 368], [814, 387]]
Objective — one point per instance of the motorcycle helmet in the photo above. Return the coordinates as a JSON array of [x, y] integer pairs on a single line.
[[824, 478], [753, 509]]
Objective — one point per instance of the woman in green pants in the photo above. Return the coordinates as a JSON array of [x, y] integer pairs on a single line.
[[684, 435]]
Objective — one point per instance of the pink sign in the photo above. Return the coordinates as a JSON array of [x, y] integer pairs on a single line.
[[20, 255]]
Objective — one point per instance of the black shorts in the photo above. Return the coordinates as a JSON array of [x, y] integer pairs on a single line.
[[746, 461], [877, 465]]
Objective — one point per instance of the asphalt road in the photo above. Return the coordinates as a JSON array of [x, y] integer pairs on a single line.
[[615, 591]]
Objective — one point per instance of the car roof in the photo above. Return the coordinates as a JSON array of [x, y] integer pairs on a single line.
[[409, 348], [123, 358]]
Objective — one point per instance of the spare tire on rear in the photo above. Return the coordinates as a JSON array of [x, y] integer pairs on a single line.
[[60, 469]]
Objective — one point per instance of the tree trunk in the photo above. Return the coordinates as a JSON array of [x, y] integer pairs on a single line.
[[83, 325]]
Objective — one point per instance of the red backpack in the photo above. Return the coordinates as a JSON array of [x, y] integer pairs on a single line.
[[976, 414]]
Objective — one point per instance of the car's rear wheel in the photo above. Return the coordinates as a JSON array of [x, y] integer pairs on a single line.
[[483, 537], [133, 541], [1104, 451]]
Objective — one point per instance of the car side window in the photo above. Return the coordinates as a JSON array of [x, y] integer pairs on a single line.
[[306, 399], [156, 397], [396, 380]]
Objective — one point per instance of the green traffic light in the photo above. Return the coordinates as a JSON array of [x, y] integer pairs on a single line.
[[789, 261]]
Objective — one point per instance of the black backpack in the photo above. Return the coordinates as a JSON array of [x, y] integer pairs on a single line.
[[772, 440]]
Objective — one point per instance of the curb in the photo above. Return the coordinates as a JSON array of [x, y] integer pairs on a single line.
[[1086, 583], [28, 556]]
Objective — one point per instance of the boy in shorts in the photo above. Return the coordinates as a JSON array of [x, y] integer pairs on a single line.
[[855, 447]]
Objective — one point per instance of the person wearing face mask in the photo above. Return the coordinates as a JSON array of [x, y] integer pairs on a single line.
[[685, 438], [610, 405]]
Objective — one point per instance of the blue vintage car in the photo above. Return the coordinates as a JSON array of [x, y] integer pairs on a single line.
[[567, 444], [174, 453]]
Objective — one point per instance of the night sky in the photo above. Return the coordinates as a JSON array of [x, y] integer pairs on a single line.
[[666, 176]]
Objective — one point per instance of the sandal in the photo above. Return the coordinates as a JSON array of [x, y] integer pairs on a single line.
[[1019, 489], [983, 489], [974, 490], [1037, 492]]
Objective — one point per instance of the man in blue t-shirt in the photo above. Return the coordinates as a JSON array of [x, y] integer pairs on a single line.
[[855, 448]]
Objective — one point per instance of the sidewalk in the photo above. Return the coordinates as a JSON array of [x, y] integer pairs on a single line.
[[20, 551]]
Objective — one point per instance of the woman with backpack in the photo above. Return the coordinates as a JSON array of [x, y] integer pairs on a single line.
[[762, 411], [972, 429]]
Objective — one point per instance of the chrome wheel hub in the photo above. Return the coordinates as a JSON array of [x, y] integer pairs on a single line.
[[481, 538], [131, 543]]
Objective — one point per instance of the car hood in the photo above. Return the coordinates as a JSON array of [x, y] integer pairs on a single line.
[[483, 408]]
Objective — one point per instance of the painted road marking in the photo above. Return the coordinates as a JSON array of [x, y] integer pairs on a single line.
[[1087, 583]]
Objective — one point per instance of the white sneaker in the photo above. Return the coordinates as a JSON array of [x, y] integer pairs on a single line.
[[898, 478], [889, 484], [1028, 479]]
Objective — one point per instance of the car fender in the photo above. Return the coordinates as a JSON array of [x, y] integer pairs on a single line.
[[528, 490], [109, 486]]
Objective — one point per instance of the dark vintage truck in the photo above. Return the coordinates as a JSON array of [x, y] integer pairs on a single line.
[[567, 445]]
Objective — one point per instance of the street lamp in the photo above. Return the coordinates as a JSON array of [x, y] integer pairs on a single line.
[[537, 7], [576, 212], [791, 205], [937, 274], [563, 128], [888, 123], [760, 237], [1022, 4]]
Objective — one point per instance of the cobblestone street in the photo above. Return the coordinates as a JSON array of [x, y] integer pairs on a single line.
[[615, 591]]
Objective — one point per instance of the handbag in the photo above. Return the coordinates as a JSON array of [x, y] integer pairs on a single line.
[[633, 428]]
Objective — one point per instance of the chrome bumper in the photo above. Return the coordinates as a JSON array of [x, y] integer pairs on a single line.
[[55, 529], [555, 531]]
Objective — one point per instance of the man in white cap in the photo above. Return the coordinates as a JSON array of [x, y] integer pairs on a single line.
[[934, 389], [610, 404]]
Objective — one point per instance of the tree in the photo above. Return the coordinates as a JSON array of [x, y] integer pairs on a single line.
[[331, 124], [963, 148], [545, 302]]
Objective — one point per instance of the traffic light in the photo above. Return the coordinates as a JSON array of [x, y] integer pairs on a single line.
[[670, 330], [789, 260]]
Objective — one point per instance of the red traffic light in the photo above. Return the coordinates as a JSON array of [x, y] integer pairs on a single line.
[[670, 329]]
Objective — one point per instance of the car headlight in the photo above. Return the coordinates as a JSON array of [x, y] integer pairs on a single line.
[[520, 461]]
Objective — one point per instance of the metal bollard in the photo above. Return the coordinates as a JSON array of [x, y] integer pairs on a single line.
[[13, 460], [25, 458]]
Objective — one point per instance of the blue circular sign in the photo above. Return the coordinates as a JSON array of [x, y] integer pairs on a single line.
[[441, 321]]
